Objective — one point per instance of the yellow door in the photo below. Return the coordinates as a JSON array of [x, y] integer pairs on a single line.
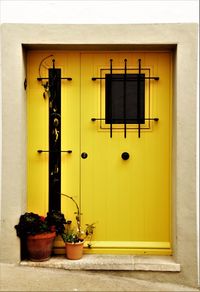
[[119, 174]]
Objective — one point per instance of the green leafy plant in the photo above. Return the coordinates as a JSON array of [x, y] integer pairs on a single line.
[[73, 234], [89, 231], [56, 219], [32, 224]]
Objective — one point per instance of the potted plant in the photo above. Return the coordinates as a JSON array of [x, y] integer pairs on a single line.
[[74, 238], [37, 233], [73, 242]]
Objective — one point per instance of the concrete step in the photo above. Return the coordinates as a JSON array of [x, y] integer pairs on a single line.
[[110, 262]]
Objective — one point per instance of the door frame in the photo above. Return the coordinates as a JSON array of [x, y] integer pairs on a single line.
[[181, 39]]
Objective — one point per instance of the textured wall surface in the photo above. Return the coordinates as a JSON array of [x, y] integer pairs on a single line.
[[182, 38]]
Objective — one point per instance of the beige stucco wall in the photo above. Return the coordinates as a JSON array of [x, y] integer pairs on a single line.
[[182, 38]]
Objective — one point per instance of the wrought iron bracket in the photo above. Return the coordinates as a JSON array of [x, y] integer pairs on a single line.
[[146, 119], [43, 78], [47, 78], [126, 78], [41, 151]]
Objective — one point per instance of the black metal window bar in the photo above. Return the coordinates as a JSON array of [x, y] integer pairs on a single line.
[[138, 113], [54, 92]]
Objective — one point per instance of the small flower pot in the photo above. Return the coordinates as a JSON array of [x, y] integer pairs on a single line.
[[40, 246], [74, 251]]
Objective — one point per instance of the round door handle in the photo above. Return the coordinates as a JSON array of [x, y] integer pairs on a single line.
[[125, 155], [84, 155]]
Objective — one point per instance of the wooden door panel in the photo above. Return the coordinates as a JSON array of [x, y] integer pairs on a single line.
[[130, 200]]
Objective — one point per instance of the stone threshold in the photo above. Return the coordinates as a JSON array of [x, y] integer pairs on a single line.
[[110, 262]]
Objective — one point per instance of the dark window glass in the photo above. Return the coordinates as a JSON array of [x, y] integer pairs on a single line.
[[125, 98]]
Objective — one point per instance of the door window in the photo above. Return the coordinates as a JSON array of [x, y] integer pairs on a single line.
[[125, 98]]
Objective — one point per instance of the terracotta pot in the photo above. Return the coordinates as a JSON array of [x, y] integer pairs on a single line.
[[74, 251], [40, 246]]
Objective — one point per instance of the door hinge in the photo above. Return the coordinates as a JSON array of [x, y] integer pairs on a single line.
[[25, 83]]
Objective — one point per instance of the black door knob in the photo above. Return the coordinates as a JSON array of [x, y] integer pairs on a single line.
[[125, 155], [84, 155]]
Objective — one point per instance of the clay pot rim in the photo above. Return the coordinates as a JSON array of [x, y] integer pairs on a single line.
[[42, 235], [74, 243]]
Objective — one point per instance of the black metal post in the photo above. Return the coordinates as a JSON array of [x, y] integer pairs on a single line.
[[138, 97], [54, 138], [111, 118], [124, 96]]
